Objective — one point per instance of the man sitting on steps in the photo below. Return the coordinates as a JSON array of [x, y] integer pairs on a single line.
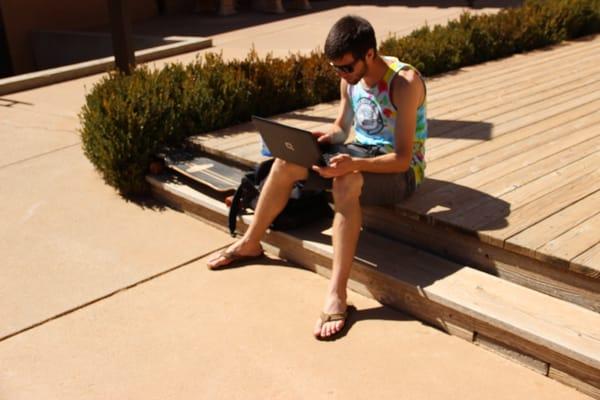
[[384, 100]]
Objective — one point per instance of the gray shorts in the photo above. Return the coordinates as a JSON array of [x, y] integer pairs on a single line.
[[378, 189]]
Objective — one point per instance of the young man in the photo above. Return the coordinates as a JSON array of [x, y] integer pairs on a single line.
[[384, 100]]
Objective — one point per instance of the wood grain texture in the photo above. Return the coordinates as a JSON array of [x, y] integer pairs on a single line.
[[536, 236], [515, 355], [588, 262]]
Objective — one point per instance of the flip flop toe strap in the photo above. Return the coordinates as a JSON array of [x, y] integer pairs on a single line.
[[333, 317]]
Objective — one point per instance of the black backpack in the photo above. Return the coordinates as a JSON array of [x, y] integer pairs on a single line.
[[304, 205]]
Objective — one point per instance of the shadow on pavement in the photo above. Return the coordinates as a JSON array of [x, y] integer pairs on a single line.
[[208, 24]]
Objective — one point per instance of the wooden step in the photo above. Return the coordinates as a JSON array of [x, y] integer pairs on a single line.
[[568, 284], [554, 337]]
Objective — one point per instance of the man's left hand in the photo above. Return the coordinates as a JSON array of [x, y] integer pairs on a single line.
[[339, 165]]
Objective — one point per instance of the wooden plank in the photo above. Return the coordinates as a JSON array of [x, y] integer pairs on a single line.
[[532, 313], [504, 177], [520, 86], [304, 120], [515, 165], [230, 141], [241, 135], [185, 199], [232, 134], [503, 174], [519, 63], [449, 166], [503, 113], [506, 68], [545, 184], [508, 123], [588, 262], [552, 227], [501, 228], [578, 384], [512, 354], [459, 331], [574, 242], [486, 74], [535, 99], [467, 249], [462, 197], [249, 153]]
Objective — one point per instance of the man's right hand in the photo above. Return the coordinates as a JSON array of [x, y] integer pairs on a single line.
[[322, 137]]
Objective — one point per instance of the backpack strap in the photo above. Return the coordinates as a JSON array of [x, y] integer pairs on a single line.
[[262, 171], [247, 192], [234, 210], [242, 198]]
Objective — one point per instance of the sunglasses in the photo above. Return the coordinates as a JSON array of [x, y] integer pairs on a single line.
[[346, 68]]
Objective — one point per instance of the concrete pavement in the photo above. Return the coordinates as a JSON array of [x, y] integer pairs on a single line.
[[245, 333], [103, 298]]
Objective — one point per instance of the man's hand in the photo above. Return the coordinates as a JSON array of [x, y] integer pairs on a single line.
[[323, 137], [339, 165]]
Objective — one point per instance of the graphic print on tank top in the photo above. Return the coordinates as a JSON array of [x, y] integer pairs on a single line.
[[368, 116], [375, 116]]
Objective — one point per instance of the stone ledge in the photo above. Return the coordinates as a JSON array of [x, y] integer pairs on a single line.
[[74, 71]]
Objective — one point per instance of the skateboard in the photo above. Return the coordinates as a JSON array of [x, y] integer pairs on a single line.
[[207, 171]]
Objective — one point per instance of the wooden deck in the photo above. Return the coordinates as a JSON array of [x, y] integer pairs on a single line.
[[512, 159]]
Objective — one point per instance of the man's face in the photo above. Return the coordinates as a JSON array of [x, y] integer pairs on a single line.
[[350, 69]]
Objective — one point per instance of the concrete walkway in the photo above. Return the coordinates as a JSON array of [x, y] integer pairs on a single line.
[[103, 298]]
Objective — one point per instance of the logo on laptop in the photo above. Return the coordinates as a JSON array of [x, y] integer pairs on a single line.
[[290, 146]]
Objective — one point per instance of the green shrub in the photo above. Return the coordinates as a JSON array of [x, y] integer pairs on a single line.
[[474, 39], [128, 119]]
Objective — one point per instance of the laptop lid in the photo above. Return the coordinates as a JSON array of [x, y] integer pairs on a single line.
[[291, 144]]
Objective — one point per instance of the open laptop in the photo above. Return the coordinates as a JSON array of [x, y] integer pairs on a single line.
[[291, 144]]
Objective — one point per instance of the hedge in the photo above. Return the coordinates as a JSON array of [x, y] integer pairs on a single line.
[[127, 119]]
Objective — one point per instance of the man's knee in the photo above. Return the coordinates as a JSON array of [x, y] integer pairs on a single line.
[[288, 171], [347, 187]]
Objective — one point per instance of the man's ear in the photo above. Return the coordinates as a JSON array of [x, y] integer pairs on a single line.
[[370, 55]]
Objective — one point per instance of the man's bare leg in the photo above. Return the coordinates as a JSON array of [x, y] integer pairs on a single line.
[[346, 230], [273, 198]]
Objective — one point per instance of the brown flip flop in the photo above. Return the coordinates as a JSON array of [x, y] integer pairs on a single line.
[[325, 317], [234, 257]]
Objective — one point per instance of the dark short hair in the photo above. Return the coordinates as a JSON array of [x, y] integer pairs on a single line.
[[350, 34]]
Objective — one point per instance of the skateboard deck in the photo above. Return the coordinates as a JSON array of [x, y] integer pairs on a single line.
[[207, 171]]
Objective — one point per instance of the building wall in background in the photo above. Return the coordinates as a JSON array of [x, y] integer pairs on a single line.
[[5, 64], [22, 17]]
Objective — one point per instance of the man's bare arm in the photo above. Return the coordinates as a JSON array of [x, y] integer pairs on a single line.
[[340, 129]]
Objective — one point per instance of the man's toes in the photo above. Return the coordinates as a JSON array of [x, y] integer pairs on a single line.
[[328, 328], [318, 329], [214, 263], [325, 330]]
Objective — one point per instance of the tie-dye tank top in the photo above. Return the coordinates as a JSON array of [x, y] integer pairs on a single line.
[[375, 117]]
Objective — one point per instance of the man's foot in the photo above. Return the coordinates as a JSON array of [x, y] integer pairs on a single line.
[[332, 318], [239, 251]]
